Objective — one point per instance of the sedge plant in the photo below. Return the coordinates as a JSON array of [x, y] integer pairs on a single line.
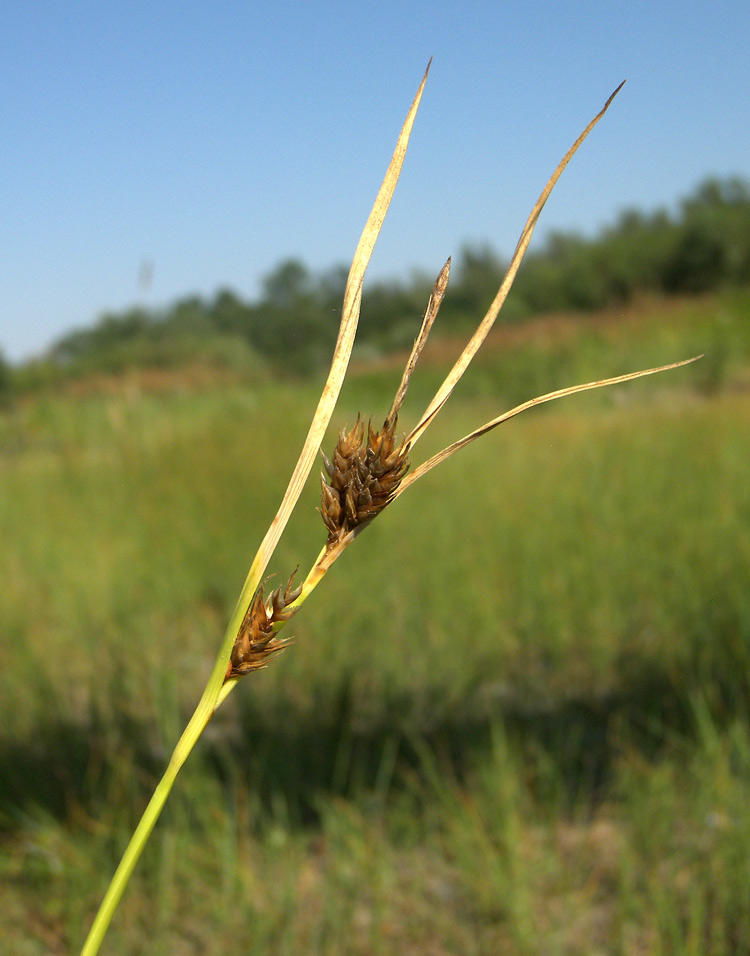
[[368, 469]]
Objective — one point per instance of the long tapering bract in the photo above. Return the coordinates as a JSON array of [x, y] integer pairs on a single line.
[[340, 362], [217, 688], [525, 406], [329, 396], [442, 394]]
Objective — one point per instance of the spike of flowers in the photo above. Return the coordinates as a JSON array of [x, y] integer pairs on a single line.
[[256, 639], [364, 474]]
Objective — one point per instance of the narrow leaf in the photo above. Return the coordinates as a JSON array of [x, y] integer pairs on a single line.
[[540, 400], [488, 321], [331, 389], [433, 307]]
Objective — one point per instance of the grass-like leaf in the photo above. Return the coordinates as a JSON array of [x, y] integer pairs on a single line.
[[218, 687], [524, 406], [442, 394]]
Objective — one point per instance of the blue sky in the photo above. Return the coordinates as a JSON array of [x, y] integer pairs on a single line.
[[215, 139]]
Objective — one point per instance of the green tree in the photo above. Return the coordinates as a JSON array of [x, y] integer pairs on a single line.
[[6, 380], [713, 245], [229, 314], [287, 284], [480, 272]]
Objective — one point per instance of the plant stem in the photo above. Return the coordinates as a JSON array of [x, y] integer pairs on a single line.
[[198, 722]]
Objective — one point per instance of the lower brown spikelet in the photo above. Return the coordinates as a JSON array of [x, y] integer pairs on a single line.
[[363, 474], [256, 639]]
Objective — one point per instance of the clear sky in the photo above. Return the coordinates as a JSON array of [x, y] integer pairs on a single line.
[[215, 139]]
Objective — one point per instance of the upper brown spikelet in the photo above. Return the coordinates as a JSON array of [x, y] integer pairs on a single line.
[[363, 474], [256, 639]]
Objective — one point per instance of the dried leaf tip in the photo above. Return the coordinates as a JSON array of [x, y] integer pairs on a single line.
[[256, 639], [613, 95]]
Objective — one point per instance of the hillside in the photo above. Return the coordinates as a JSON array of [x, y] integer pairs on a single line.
[[701, 246]]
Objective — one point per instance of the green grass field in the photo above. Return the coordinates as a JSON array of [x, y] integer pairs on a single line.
[[515, 717]]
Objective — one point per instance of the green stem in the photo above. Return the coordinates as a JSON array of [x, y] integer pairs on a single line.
[[216, 692], [198, 722], [323, 564]]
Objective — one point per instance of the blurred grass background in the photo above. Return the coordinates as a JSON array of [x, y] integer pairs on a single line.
[[515, 718]]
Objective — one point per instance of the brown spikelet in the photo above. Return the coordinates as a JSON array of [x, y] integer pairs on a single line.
[[256, 639], [363, 475]]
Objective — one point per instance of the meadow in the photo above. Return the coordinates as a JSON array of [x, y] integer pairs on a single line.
[[515, 715]]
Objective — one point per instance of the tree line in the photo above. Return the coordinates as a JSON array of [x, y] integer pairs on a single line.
[[701, 246]]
